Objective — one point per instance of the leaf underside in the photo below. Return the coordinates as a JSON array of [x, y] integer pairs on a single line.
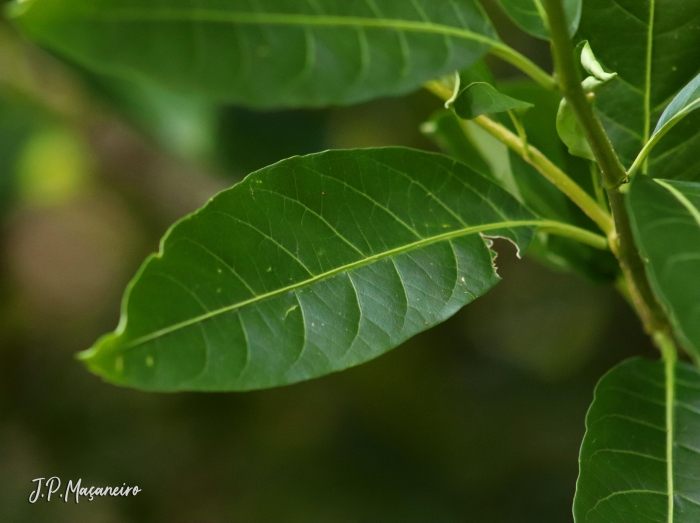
[[307, 267], [666, 223], [687, 101], [268, 53], [624, 463]]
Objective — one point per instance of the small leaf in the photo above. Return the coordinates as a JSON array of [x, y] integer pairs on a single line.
[[589, 65], [686, 101], [641, 454], [592, 66], [666, 223], [308, 267], [268, 53], [681, 106], [571, 133], [531, 17], [482, 98]]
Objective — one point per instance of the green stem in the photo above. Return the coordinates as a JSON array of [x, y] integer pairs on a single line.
[[522, 134], [539, 161], [597, 187], [575, 233], [570, 83], [550, 171], [645, 303], [613, 173], [510, 55]]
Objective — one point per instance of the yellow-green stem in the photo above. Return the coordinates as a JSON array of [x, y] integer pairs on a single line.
[[550, 171]]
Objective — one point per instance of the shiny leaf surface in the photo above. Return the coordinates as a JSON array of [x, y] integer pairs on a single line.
[[530, 15], [270, 53], [682, 105], [652, 45], [480, 98], [641, 454], [307, 267], [666, 222]]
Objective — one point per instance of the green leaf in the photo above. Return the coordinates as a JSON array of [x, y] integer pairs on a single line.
[[571, 132], [269, 53], [568, 127], [480, 98], [531, 17], [652, 45], [524, 182], [682, 105], [451, 135], [666, 223], [468, 143], [307, 267], [475, 93], [591, 65], [640, 457], [546, 200], [686, 101]]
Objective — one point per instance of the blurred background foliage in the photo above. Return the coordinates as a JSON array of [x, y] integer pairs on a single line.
[[477, 420]]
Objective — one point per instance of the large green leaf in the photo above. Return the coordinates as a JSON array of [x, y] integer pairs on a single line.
[[530, 15], [652, 45], [268, 52], [310, 266], [640, 458], [666, 222]]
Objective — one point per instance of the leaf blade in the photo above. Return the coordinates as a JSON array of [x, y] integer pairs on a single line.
[[530, 16], [480, 98], [633, 39], [281, 54], [338, 257], [666, 223], [684, 103], [643, 413]]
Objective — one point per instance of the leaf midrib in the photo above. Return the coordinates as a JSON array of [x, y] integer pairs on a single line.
[[647, 88], [670, 376], [685, 202], [356, 264], [211, 15]]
